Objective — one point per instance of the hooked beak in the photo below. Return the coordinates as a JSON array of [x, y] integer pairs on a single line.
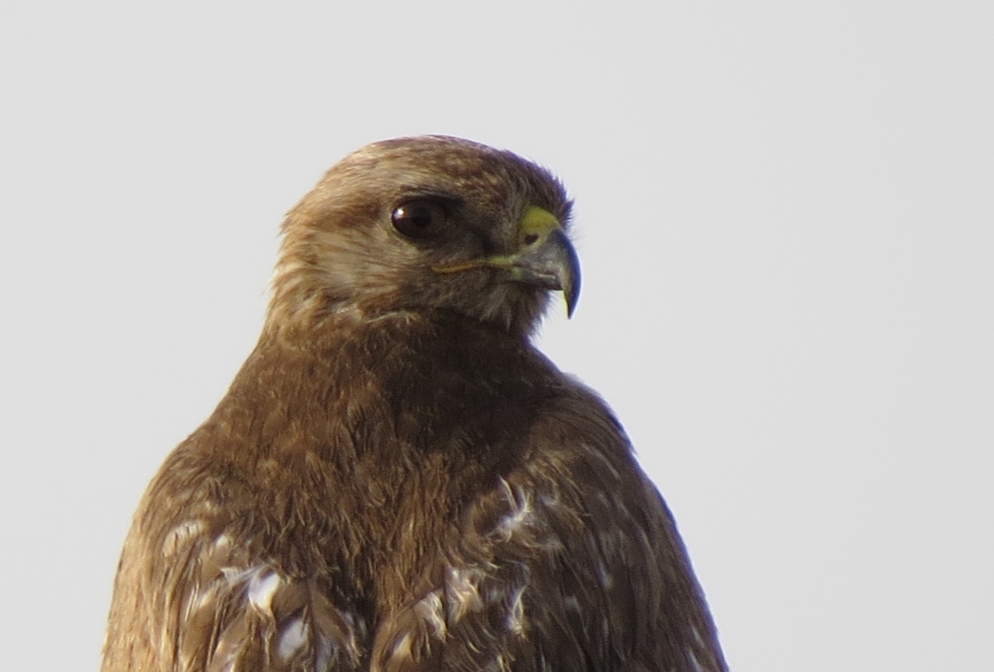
[[545, 257]]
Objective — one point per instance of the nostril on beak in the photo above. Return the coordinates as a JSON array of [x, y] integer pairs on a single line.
[[531, 238]]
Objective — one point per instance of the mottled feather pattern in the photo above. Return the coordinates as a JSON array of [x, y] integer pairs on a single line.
[[397, 479]]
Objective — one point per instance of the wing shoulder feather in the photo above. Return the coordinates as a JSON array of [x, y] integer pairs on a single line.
[[610, 585], [195, 592]]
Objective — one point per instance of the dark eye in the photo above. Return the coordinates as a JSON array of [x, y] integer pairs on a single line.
[[419, 219]]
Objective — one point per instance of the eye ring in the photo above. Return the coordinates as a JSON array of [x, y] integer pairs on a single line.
[[419, 218]]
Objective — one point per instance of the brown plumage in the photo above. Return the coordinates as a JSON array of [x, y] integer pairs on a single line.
[[397, 479]]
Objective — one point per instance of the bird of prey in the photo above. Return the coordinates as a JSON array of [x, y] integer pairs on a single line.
[[397, 480]]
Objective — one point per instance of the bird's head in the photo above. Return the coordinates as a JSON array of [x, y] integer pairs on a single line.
[[428, 223]]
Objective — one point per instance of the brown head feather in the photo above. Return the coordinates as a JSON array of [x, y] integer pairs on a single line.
[[340, 251]]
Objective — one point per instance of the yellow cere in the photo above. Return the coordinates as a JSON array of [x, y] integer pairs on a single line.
[[536, 222]]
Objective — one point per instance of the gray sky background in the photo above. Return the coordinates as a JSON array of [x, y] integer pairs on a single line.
[[784, 214]]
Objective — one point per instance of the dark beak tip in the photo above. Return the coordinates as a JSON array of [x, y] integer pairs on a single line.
[[571, 283]]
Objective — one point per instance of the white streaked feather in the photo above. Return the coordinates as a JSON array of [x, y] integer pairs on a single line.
[[521, 511], [430, 609], [516, 615], [324, 652], [462, 593], [294, 637], [262, 586]]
